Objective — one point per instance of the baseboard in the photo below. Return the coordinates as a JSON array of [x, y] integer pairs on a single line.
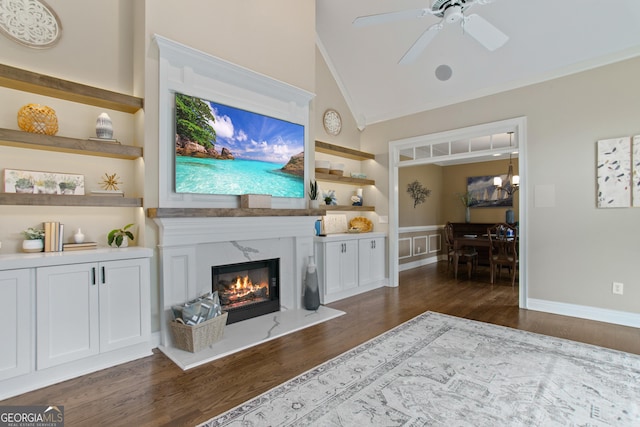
[[418, 263], [585, 312]]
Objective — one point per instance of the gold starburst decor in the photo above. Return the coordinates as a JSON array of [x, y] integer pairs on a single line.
[[110, 182]]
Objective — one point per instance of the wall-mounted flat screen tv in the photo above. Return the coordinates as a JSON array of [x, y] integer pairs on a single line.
[[229, 151]]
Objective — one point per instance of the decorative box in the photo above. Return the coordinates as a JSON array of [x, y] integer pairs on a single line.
[[255, 201]]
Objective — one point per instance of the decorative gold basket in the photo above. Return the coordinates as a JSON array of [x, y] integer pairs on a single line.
[[361, 224], [36, 118]]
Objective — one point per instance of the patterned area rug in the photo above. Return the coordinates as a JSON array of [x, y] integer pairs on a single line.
[[439, 370]]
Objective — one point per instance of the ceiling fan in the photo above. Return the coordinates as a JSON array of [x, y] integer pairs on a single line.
[[451, 12]]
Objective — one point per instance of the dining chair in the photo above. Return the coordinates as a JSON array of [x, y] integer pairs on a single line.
[[468, 253], [503, 250]]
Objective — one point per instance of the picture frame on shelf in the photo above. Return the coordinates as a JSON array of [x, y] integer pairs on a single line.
[[39, 182]]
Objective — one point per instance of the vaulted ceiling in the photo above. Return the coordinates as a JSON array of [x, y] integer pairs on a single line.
[[547, 39]]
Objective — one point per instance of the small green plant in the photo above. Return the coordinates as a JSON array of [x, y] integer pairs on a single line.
[[313, 190], [33, 233], [117, 235]]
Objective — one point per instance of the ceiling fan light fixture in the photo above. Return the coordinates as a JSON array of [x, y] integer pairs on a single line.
[[453, 14]]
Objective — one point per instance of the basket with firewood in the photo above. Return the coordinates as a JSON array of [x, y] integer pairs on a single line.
[[198, 323]]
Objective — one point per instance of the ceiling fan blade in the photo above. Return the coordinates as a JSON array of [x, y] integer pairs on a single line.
[[420, 44], [382, 18], [484, 32]]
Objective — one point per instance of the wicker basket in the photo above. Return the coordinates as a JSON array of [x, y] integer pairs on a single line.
[[36, 118], [200, 336]]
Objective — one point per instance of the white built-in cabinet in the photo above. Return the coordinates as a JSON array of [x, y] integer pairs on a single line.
[[342, 257], [71, 313], [371, 260], [17, 308], [90, 308], [350, 264]]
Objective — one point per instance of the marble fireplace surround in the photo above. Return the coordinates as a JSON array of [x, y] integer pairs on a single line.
[[189, 247]]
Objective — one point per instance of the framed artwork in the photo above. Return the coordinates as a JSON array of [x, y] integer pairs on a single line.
[[486, 195], [614, 173], [21, 181]]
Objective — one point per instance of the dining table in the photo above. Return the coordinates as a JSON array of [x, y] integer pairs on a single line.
[[480, 241]]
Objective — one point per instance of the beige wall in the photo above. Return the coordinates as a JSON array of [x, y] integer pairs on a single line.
[[429, 212], [575, 251]]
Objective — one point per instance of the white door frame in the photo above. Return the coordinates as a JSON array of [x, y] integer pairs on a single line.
[[517, 125]]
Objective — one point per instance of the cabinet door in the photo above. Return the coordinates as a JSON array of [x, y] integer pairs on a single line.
[[332, 275], [371, 260], [340, 269], [67, 313], [349, 265], [124, 303], [15, 328]]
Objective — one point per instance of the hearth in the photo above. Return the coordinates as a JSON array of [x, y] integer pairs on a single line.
[[247, 289]]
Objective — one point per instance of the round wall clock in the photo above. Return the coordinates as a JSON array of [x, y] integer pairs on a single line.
[[332, 122], [31, 23]]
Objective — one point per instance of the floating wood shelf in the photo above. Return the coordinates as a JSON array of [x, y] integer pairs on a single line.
[[347, 208], [37, 141], [68, 200], [28, 81], [343, 179], [228, 212], [336, 150]]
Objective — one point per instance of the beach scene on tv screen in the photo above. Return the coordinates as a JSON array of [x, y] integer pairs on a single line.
[[230, 151]]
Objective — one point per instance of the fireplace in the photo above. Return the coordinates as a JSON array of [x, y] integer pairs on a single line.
[[247, 289]]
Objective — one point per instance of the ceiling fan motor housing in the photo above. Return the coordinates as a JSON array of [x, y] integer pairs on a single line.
[[442, 8]]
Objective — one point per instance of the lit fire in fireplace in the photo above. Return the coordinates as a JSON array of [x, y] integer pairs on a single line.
[[243, 291]]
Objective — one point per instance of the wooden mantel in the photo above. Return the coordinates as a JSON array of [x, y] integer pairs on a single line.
[[229, 212]]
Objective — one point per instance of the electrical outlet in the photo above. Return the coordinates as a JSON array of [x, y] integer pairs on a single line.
[[617, 288], [383, 219]]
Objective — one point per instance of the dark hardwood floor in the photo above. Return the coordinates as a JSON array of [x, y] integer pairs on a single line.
[[154, 392]]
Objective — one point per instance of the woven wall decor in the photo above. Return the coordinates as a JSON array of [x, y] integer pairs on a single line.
[[36, 118]]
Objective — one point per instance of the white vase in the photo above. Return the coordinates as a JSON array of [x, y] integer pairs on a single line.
[[78, 237], [35, 245], [314, 204], [104, 126]]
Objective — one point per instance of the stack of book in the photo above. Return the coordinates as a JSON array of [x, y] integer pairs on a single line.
[[79, 246], [53, 236]]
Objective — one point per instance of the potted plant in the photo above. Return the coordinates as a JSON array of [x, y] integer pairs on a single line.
[[314, 203], [120, 236], [33, 240]]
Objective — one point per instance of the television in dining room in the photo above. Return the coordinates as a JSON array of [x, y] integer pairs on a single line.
[[224, 150]]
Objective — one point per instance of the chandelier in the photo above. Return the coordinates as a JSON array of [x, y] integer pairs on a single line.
[[512, 182]]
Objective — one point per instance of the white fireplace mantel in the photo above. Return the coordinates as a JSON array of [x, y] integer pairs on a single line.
[[189, 247]]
